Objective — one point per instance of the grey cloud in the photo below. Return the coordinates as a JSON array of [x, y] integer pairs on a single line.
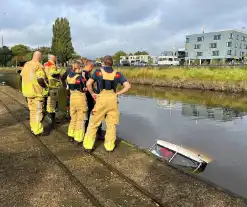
[[129, 11], [102, 27]]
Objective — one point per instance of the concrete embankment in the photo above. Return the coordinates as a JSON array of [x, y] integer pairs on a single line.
[[49, 171]]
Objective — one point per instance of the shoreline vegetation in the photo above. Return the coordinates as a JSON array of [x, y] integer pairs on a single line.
[[217, 79], [232, 79]]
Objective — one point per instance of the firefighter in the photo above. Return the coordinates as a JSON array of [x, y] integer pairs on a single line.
[[106, 105], [34, 88], [63, 78], [53, 75], [90, 101], [78, 104]]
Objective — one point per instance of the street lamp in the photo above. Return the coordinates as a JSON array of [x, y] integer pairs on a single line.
[[0, 29]]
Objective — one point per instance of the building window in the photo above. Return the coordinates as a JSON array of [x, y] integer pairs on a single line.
[[245, 47], [197, 46], [231, 36], [213, 45], [216, 53], [236, 46], [186, 54], [199, 53], [243, 38], [229, 44], [200, 39], [240, 46], [217, 37], [229, 52], [187, 40], [237, 37]]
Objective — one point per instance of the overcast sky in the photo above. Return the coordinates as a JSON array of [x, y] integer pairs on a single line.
[[101, 27]]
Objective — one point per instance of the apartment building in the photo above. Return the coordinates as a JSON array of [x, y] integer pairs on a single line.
[[133, 59], [225, 45]]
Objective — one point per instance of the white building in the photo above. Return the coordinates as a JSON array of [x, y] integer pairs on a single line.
[[134, 59], [168, 58]]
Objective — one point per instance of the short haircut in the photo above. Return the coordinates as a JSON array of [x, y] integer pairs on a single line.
[[108, 60]]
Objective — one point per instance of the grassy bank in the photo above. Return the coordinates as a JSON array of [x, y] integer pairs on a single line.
[[229, 79], [9, 70], [221, 79]]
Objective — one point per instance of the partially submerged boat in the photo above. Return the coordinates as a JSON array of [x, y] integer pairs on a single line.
[[179, 156]]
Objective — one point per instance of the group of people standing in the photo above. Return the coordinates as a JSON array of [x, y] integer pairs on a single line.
[[93, 97]]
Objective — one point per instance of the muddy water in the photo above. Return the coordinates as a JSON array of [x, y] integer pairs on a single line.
[[213, 123]]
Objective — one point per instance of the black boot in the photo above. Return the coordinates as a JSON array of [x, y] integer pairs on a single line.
[[78, 144], [43, 134], [53, 119], [99, 134], [70, 139]]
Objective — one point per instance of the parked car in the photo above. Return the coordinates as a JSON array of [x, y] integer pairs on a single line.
[[125, 63], [141, 63], [181, 157]]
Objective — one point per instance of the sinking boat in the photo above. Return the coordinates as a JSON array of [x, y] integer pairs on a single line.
[[181, 157]]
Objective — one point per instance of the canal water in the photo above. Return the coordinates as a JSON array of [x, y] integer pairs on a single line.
[[210, 122]]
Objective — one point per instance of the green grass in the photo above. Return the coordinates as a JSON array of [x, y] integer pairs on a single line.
[[219, 79], [9, 70], [235, 74]]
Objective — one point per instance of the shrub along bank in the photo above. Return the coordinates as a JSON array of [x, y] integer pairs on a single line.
[[224, 79]]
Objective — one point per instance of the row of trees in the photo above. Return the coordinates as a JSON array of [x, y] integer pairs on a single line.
[[17, 54], [61, 46]]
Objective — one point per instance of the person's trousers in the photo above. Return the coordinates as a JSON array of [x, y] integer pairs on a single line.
[[106, 107], [78, 114], [52, 101], [90, 104], [35, 106]]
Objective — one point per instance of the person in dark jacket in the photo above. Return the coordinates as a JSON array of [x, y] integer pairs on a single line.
[[90, 101], [64, 77]]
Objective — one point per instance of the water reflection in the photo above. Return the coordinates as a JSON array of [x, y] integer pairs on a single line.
[[221, 114]]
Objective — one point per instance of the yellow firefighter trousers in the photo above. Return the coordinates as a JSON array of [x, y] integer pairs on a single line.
[[51, 100], [78, 113], [106, 107], [35, 106]]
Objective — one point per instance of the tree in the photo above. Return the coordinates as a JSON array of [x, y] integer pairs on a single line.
[[20, 53], [116, 56], [45, 52], [76, 56], [20, 50], [5, 56], [98, 60], [141, 53], [61, 41]]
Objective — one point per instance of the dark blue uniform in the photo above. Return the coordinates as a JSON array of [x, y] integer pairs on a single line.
[[91, 103]]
